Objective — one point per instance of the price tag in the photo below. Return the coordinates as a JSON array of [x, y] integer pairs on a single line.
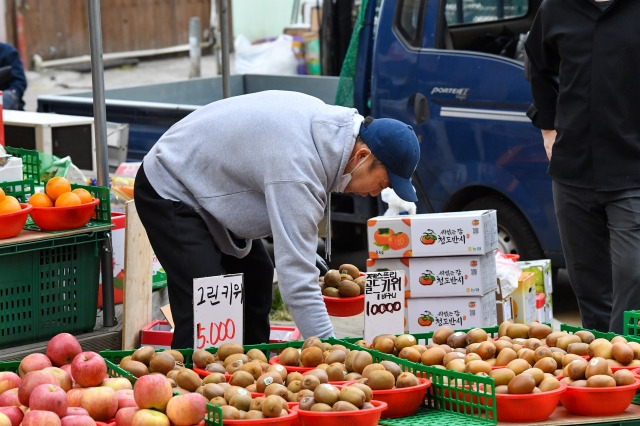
[[218, 309], [383, 304]]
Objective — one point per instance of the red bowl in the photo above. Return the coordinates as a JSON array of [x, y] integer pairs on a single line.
[[290, 368], [402, 402], [586, 401], [528, 407], [291, 419], [367, 417], [204, 373], [12, 223], [61, 218], [344, 306]]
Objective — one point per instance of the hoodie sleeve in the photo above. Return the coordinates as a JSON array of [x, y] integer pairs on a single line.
[[294, 212], [544, 65]]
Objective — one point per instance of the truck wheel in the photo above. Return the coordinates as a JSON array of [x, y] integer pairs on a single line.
[[515, 235]]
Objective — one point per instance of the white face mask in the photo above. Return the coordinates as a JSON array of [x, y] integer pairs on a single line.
[[346, 178]]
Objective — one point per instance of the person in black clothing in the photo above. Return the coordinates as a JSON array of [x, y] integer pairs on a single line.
[[584, 62], [13, 81]]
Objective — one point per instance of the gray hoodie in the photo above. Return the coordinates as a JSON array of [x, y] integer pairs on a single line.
[[258, 165]]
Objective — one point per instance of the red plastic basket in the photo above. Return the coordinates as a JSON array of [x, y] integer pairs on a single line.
[[291, 419], [61, 218], [402, 402], [344, 306], [589, 401], [290, 368], [366, 417], [12, 223], [528, 407]]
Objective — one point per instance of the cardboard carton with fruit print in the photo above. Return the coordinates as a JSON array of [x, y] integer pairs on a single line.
[[426, 314], [443, 276], [433, 234]]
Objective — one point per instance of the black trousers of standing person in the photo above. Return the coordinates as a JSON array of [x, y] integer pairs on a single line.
[[600, 234], [186, 250]]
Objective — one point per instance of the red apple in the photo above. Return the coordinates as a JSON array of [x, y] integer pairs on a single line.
[[78, 420], [62, 348], [9, 398], [124, 416], [64, 378], [41, 418], [76, 411], [146, 417], [186, 409], [101, 402], [67, 368], [88, 369], [32, 362], [14, 414], [49, 397], [152, 391], [125, 398], [75, 396], [5, 421], [117, 383], [31, 380], [8, 380]]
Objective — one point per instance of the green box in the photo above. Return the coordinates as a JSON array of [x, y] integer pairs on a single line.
[[632, 323], [49, 287], [30, 162]]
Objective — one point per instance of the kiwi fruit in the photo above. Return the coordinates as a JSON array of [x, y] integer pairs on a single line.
[[336, 355], [385, 345], [518, 365], [137, 368], [253, 415], [410, 354], [177, 355], [536, 373], [211, 390], [213, 378], [326, 393], [380, 379], [320, 407], [441, 334], [457, 339], [332, 278], [521, 383], [433, 356], [456, 365], [450, 356], [472, 357], [266, 379], [538, 330], [552, 338], [624, 377], [143, 354], [214, 367], [546, 364], [601, 381], [348, 288], [319, 373], [188, 379], [230, 412], [406, 380], [578, 348], [502, 376], [527, 354], [344, 406], [477, 366], [372, 367], [252, 368], [311, 357], [276, 389], [304, 393], [331, 292], [622, 352], [353, 395], [351, 270], [336, 372], [600, 348], [620, 339], [597, 366], [242, 378], [505, 356], [503, 327], [161, 362], [306, 403], [272, 406], [486, 349], [256, 354], [585, 335], [548, 384], [391, 367], [309, 381], [241, 401], [532, 343], [361, 360], [517, 330], [564, 341], [475, 335], [290, 356], [405, 340]]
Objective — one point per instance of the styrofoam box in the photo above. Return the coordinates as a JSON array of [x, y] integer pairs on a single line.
[[542, 270], [10, 168], [443, 276], [426, 314], [433, 234]]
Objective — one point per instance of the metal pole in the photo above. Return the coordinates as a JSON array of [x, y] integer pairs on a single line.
[[195, 52], [102, 158], [224, 35]]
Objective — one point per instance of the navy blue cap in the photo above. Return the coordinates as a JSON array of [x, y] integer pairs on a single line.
[[395, 144]]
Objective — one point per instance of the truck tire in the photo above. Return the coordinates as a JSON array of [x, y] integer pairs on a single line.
[[515, 235]]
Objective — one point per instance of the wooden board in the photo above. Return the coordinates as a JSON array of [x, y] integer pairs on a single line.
[[137, 279], [27, 236]]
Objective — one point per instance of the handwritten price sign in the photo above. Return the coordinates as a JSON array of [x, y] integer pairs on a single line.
[[218, 308], [383, 304]]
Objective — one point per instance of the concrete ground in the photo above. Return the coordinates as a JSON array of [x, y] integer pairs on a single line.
[[78, 78]]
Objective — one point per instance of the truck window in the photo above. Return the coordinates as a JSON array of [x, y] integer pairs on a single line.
[[409, 20], [460, 12]]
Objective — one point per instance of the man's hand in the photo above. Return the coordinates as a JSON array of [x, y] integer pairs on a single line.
[[549, 138]]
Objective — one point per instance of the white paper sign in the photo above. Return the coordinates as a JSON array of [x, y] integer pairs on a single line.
[[383, 304], [218, 309]]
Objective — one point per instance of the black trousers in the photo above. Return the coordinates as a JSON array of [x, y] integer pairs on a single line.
[[186, 250], [600, 234]]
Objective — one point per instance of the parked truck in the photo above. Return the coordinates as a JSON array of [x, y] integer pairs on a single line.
[[453, 69]]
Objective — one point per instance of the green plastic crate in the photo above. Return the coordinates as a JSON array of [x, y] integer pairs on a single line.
[[214, 415], [599, 334], [22, 190], [30, 162], [632, 323], [49, 287], [11, 366]]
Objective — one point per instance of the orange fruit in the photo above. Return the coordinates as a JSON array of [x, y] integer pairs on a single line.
[[9, 204], [1, 194], [67, 199], [85, 196], [57, 186], [40, 199]]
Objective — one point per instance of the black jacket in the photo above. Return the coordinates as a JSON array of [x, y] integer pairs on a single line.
[[9, 56], [585, 80]]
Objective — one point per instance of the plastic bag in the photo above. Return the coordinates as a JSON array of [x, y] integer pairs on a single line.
[[51, 166], [397, 206], [508, 272], [270, 57]]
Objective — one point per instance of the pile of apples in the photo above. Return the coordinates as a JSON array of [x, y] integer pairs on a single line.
[[67, 386]]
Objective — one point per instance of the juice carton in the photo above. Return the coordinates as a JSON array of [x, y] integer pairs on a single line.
[[433, 234]]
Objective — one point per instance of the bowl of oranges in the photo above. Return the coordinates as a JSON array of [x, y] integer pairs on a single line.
[[59, 207], [13, 215]]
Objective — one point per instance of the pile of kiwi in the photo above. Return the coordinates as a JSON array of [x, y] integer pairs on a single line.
[[342, 282], [237, 403], [146, 360], [327, 397]]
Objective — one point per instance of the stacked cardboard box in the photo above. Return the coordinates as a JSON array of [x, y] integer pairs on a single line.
[[449, 265], [543, 286]]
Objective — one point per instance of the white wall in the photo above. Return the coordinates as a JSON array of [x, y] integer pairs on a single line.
[[259, 19]]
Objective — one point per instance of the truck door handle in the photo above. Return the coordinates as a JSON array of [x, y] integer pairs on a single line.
[[420, 108]]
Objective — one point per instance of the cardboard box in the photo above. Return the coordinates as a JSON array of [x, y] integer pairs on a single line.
[[504, 310], [542, 270], [524, 299], [544, 307], [427, 314], [443, 276], [433, 234]]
